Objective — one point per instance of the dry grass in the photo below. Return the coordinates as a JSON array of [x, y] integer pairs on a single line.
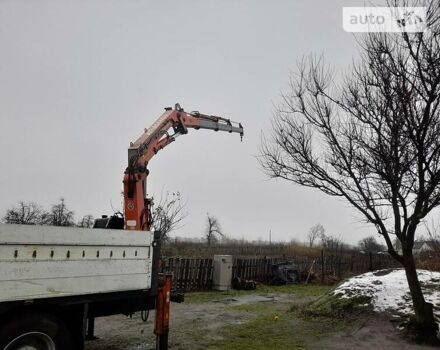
[[429, 261], [178, 248]]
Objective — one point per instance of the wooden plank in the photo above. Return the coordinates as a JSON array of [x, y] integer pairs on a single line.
[[181, 271], [208, 280], [198, 274], [185, 280], [192, 274], [209, 273], [205, 274]]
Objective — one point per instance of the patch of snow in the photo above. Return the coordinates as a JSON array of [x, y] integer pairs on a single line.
[[389, 291]]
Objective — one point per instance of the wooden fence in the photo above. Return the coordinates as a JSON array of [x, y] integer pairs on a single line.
[[190, 274], [193, 274]]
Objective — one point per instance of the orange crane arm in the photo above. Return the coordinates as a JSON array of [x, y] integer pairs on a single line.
[[171, 124]]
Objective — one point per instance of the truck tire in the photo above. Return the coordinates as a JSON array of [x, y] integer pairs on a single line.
[[35, 331]]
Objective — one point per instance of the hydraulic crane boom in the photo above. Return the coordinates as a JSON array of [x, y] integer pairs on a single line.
[[171, 124]]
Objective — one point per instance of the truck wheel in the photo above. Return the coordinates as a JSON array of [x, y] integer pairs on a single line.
[[35, 332]]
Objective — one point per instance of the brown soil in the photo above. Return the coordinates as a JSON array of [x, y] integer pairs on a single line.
[[374, 332]]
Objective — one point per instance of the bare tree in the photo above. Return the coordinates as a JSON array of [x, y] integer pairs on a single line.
[[370, 244], [332, 244], [87, 221], [373, 140], [213, 229], [59, 215], [315, 232], [24, 213], [168, 215]]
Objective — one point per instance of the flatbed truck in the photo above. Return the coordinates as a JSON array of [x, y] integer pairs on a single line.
[[54, 281]]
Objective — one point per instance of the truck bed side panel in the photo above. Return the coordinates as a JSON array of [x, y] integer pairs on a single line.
[[46, 262]]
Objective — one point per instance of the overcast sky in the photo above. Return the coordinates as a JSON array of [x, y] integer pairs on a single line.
[[79, 80]]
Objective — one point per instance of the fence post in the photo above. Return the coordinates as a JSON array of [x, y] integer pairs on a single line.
[[371, 261], [239, 268], [322, 266]]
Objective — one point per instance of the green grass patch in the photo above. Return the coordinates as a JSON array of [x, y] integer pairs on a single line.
[[261, 308], [275, 330], [331, 305], [264, 333], [269, 325], [254, 308], [299, 290]]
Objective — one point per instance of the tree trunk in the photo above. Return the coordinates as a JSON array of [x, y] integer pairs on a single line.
[[424, 315]]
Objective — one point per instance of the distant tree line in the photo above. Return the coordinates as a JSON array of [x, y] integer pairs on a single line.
[[31, 213], [335, 244], [167, 215], [316, 236]]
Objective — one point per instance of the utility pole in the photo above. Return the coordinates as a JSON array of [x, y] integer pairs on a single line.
[[270, 236]]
